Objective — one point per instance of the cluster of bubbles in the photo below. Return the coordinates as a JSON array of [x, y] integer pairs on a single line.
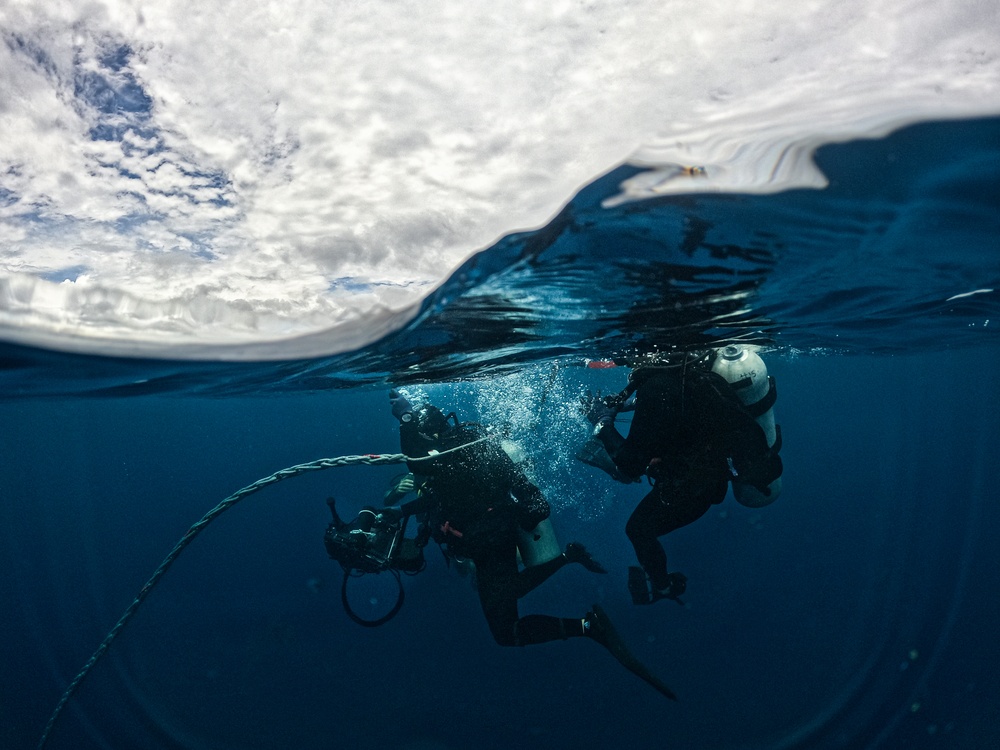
[[536, 411]]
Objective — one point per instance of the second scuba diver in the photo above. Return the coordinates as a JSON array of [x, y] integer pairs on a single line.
[[691, 435]]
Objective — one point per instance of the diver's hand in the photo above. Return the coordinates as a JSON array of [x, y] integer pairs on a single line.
[[406, 484], [596, 409], [400, 406]]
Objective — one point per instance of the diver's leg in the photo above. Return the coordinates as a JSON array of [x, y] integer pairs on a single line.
[[532, 577], [595, 625], [644, 526], [499, 583], [497, 586], [532, 629], [665, 509]]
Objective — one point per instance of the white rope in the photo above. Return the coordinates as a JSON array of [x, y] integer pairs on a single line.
[[370, 459]]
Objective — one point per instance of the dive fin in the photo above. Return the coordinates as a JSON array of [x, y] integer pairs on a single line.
[[602, 631], [639, 589], [576, 552], [637, 586]]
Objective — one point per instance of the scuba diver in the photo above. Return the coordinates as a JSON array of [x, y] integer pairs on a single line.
[[700, 421], [476, 500]]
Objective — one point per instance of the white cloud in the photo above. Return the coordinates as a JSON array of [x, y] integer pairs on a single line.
[[213, 172]]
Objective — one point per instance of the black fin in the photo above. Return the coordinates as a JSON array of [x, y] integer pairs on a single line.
[[602, 631], [637, 586], [577, 553]]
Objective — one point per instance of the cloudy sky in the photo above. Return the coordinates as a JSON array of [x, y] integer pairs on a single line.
[[176, 176]]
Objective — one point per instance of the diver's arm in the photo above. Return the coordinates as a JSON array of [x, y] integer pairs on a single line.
[[610, 438], [395, 494], [422, 504], [751, 458], [410, 441], [625, 467], [605, 441], [652, 430]]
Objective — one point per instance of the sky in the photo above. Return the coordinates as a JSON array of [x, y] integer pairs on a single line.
[[274, 179]]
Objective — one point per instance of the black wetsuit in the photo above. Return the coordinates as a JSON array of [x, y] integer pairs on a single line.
[[688, 425], [477, 498]]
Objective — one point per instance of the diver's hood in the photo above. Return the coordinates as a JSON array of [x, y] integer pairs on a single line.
[[432, 421]]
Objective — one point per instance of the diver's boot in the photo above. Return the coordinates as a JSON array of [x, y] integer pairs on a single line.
[[676, 585], [597, 626], [577, 553], [644, 593]]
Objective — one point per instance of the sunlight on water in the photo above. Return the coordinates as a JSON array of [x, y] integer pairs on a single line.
[[341, 160]]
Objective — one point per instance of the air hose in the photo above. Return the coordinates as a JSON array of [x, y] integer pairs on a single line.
[[370, 459]]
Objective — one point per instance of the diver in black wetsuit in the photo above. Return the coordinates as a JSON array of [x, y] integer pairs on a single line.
[[476, 499], [690, 435]]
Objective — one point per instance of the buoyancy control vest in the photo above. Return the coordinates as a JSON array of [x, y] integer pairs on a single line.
[[690, 419], [480, 496]]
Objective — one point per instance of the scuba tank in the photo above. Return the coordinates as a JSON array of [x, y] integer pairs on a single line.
[[539, 545], [746, 372]]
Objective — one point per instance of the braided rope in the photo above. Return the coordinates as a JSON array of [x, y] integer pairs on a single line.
[[370, 459]]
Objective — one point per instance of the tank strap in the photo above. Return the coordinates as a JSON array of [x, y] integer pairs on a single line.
[[760, 408], [776, 448]]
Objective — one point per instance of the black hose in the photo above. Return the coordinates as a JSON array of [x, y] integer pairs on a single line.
[[348, 574]]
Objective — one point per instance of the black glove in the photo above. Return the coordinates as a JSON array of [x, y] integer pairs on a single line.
[[401, 408], [596, 409]]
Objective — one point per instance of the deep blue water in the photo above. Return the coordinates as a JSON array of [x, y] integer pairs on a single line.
[[858, 611]]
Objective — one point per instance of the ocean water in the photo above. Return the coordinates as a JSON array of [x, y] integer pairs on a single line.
[[858, 611]]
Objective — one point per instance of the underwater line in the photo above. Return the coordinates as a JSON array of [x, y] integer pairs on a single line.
[[371, 459]]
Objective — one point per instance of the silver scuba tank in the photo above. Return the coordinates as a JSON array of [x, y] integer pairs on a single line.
[[540, 544], [743, 368]]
